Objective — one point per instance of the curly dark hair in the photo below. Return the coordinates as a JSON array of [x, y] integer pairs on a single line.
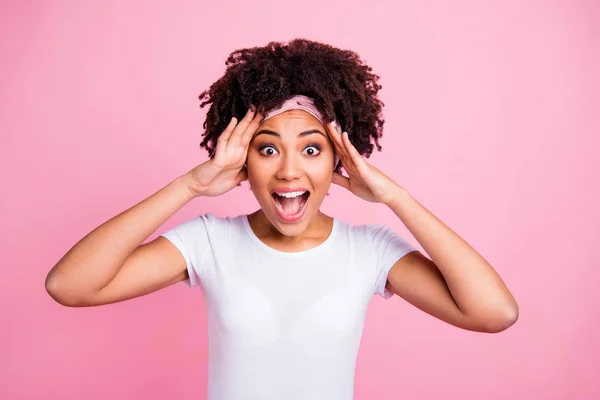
[[342, 86]]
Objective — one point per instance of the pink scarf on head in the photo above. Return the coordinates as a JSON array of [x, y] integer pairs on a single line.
[[300, 102]]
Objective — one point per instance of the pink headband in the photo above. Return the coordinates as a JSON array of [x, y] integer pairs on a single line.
[[300, 102]]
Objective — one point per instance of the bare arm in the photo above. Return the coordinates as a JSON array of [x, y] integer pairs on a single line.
[[95, 260], [457, 285], [110, 264]]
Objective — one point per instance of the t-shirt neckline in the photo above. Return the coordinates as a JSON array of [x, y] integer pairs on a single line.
[[326, 243]]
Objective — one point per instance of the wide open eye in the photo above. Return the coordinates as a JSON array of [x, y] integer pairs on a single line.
[[312, 149], [267, 150]]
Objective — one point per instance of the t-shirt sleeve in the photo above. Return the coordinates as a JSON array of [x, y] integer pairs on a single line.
[[192, 240], [389, 247]]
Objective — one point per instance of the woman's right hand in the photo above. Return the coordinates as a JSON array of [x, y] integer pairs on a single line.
[[226, 169]]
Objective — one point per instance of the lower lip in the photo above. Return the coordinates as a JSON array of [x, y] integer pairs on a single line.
[[290, 218]]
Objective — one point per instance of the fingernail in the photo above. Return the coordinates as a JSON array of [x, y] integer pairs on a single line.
[[252, 107]]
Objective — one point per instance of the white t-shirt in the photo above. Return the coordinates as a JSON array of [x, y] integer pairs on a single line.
[[284, 326]]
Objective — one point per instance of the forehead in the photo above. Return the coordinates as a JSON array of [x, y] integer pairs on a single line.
[[292, 120]]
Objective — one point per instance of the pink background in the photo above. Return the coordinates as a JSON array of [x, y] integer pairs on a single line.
[[492, 124]]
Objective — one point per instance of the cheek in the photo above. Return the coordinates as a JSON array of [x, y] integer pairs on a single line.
[[255, 172], [321, 177], [254, 179]]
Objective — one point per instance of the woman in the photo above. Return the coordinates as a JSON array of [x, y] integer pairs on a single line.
[[287, 287]]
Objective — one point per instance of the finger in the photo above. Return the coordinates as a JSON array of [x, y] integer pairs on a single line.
[[340, 180], [249, 133], [349, 146], [234, 140], [224, 136], [337, 142], [334, 135], [355, 156]]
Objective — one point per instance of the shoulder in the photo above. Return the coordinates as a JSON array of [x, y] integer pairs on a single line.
[[364, 231], [375, 236], [225, 225], [210, 223], [359, 237]]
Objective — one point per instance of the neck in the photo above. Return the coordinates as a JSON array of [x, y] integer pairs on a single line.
[[319, 227]]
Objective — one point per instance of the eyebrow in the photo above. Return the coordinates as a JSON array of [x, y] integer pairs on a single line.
[[301, 134]]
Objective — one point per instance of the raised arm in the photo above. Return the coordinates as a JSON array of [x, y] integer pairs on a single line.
[[110, 263]]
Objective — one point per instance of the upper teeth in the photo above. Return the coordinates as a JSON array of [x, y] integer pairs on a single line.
[[291, 194]]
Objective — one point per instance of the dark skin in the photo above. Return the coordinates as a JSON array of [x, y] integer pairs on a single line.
[[457, 285], [291, 149]]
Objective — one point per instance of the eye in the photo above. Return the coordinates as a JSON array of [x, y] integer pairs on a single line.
[[313, 149], [267, 150]]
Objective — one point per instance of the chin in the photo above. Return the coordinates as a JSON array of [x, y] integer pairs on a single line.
[[290, 229]]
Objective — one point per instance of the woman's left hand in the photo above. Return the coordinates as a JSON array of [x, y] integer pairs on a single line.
[[364, 180]]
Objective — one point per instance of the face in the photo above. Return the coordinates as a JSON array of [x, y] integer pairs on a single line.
[[290, 164]]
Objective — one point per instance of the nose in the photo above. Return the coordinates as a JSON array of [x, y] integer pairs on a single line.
[[290, 168]]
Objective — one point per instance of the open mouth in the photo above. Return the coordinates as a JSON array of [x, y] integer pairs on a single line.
[[290, 206]]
